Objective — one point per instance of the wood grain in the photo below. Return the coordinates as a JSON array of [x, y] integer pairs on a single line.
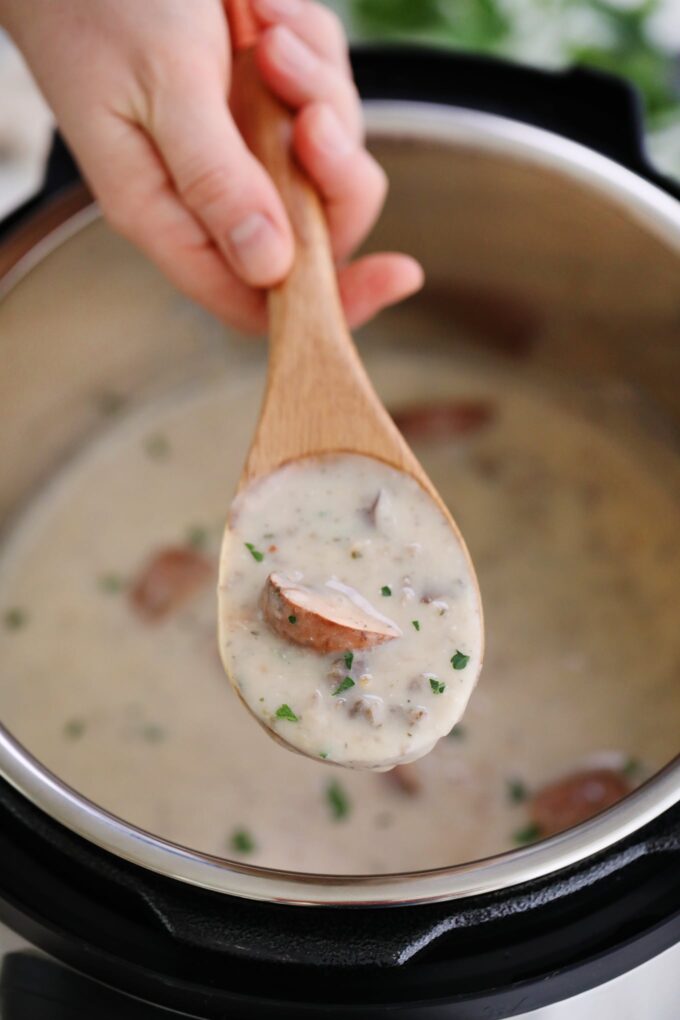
[[318, 398]]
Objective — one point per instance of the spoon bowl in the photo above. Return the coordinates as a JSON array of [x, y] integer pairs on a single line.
[[318, 401]]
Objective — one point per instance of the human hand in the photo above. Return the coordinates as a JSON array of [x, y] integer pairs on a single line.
[[140, 93]]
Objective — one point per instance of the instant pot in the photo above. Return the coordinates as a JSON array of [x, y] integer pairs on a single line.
[[547, 237]]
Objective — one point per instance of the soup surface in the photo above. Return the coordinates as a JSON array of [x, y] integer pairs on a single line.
[[110, 666], [301, 634]]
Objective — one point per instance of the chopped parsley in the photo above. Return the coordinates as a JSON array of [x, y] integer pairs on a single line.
[[152, 733], [111, 583], [416, 624], [386, 590], [110, 403], [197, 536], [437, 686], [632, 767], [74, 729], [157, 446], [242, 842], [323, 754], [344, 685], [15, 618], [349, 659], [292, 619], [338, 800], [528, 834], [458, 732], [255, 553], [459, 660], [517, 791], [286, 712]]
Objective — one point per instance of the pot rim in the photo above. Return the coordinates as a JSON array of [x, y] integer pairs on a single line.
[[659, 213]]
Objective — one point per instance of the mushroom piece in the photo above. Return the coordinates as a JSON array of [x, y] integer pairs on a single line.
[[332, 618], [575, 798]]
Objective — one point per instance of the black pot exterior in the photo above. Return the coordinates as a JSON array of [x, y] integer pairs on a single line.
[[207, 955]]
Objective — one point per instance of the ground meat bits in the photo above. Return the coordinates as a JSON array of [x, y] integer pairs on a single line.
[[575, 798]]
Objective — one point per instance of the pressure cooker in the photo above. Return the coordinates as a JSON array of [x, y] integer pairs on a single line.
[[529, 199]]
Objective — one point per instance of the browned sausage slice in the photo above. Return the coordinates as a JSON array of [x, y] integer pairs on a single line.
[[575, 798], [168, 580], [407, 778], [445, 420], [327, 620]]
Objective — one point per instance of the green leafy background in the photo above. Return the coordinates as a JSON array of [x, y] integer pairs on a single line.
[[639, 39]]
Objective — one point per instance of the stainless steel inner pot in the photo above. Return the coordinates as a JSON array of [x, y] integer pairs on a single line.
[[547, 254]]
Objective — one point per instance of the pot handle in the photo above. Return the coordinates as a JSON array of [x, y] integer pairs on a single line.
[[598, 110]]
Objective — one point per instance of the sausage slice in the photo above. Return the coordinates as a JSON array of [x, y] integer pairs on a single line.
[[327, 619], [575, 798], [407, 778], [168, 580]]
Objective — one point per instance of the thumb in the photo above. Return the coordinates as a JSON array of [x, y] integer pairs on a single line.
[[221, 182]]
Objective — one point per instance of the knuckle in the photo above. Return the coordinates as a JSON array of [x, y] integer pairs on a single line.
[[330, 25], [204, 186], [160, 67]]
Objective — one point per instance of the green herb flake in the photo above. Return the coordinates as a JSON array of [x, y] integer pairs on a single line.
[[344, 685], [349, 659], [458, 732], [74, 729], [338, 800], [386, 591], [197, 537], [242, 842], [416, 624], [255, 553], [323, 754], [152, 733], [437, 686], [632, 767], [157, 446], [110, 583], [459, 660], [529, 834], [110, 403], [15, 618], [517, 791], [286, 712], [292, 619]]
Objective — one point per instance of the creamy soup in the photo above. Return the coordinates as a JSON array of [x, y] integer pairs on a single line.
[[110, 665], [312, 551]]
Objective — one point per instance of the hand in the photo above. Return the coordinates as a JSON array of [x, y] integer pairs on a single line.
[[139, 88]]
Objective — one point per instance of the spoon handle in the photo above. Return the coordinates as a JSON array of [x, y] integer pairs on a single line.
[[318, 397]]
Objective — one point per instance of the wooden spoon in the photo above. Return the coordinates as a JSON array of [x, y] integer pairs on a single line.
[[318, 399]]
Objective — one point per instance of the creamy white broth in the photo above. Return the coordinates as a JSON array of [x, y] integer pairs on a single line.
[[366, 544], [578, 561]]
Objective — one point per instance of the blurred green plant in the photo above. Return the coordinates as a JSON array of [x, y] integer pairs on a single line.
[[622, 36], [638, 39]]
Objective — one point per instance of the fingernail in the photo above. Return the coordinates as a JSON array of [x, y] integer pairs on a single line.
[[330, 135], [273, 10], [290, 54], [259, 249]]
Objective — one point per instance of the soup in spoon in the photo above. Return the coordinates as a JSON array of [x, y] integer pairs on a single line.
[[350, 621]]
